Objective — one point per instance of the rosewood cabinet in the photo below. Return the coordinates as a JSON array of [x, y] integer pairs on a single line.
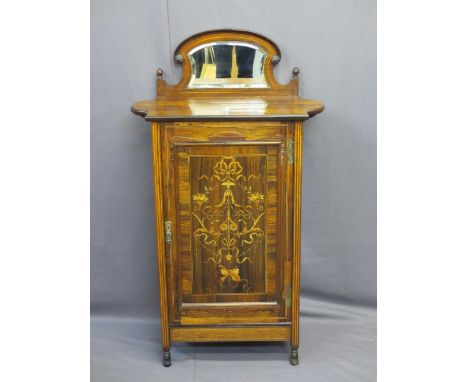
[[227, 149]]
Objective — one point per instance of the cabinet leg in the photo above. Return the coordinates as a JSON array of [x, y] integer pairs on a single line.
[[166, 357], [294, 359]]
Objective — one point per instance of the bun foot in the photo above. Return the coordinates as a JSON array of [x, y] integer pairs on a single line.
[[166, 358], [294, 359]]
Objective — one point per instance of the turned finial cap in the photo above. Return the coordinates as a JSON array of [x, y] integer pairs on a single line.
[[295, 72], [159, 72]]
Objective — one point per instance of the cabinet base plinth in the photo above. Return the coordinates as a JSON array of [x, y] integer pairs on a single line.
[[230, 334]]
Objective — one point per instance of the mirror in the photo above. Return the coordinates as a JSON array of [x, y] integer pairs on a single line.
[[227, 64]]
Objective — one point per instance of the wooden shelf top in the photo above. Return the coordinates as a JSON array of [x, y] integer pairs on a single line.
[[222, 107]]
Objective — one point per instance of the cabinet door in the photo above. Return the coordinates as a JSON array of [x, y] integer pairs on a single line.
[[229, 251]]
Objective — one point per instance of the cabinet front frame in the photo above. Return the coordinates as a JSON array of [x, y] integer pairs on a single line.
[[227, 134]]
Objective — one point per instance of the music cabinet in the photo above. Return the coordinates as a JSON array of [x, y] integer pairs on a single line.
[[227, 151]]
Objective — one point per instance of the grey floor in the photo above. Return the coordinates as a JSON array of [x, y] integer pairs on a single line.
[[338, 343]]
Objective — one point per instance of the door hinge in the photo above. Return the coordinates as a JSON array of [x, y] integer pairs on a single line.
[[282, 151], [290, 151], [167, 225], [287, 297]]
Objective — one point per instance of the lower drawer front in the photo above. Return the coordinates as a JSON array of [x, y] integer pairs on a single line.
[[231, 314], [234, 334]]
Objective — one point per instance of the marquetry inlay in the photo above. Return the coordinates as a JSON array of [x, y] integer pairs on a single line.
[[227, 155], [228, 230]]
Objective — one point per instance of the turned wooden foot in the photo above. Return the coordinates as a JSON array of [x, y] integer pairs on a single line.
[[166, 358], [294, 359]]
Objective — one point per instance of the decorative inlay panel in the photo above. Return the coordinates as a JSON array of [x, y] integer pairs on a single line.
[[227, 178], [228, 222]]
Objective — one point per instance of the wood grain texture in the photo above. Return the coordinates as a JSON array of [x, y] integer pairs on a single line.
[[158, 203], [181, 89], [296, 273], [240, 107], [197, 296], [275, 102], [257, 333], [228, 177]]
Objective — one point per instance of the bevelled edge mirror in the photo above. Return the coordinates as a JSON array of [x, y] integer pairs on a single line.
[[227, 64]]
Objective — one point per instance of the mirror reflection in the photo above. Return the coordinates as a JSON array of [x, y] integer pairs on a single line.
[[231, 64]]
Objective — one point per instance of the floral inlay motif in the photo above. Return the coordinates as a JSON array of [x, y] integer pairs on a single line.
[[226, 227]]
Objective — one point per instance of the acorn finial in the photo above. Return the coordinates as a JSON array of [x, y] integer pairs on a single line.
[[295, 72], [159, 72]]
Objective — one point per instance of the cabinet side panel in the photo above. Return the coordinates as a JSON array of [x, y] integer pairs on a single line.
[[296, 234], [159, 211], [287, 224]]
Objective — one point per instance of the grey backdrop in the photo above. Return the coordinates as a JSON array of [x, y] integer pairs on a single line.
[[333, 43]]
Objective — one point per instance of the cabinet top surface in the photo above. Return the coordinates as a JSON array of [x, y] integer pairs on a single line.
[[227, 108], [227, 74]]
